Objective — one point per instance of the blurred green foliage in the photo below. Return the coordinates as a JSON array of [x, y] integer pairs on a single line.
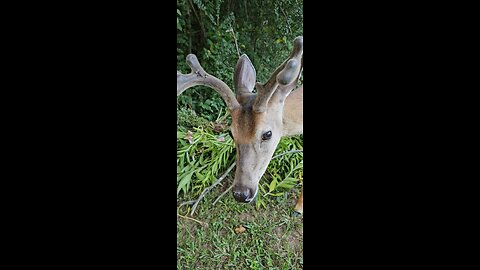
[[264, 30]]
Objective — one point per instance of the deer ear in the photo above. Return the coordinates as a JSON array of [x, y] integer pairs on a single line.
[[245, 75]]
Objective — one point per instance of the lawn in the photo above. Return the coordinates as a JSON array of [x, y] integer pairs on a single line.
[[240, 236]]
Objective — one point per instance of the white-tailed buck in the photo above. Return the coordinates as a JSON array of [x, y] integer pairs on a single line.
[[259, 120]]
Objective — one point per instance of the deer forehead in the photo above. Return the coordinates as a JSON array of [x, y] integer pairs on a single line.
[[248, 125]]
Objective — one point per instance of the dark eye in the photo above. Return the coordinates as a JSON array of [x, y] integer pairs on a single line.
[[267, 135]]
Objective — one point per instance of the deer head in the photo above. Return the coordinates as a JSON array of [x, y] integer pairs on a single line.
[[258, 119]]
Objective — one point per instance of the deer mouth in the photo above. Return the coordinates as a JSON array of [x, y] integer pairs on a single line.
[[253, 197], [244, 195]]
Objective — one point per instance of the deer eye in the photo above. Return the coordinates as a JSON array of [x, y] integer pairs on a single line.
[[267, 135]]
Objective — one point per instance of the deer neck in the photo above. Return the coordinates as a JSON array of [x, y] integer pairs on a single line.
[[293, 113]]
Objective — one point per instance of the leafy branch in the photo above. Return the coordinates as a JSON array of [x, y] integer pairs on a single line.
[[208, 189]]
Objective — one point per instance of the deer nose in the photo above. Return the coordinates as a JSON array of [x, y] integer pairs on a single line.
[[243, 194]]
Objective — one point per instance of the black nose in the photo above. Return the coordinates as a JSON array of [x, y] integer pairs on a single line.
[[242, 194]]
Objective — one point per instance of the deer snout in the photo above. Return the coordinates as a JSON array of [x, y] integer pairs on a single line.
[[244, 194]]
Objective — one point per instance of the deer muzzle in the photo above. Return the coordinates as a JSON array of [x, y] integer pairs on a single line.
[[244, 194]]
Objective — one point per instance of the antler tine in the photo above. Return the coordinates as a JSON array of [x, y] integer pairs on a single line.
[[283, 77], [199, 76]]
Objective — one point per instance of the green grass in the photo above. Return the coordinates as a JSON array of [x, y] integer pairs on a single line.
[[273, 238]]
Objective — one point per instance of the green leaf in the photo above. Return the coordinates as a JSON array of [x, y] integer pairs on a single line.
[[272, 185], [183, 183], [260, 203], [199, 175], [288, 183], [299, 166]]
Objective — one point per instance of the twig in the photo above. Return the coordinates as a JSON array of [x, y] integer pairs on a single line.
[[234, 38], [206, 190], [288, 152], [187, 202], [196, 220], [198, 19], [286, 17], [221, 195]]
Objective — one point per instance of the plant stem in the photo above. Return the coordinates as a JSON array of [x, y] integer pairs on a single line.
[[206, 190], [196, 220]]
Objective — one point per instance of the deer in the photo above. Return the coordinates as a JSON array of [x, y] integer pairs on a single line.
[[259, 118]]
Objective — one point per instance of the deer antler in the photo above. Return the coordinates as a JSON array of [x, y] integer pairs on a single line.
[[199, 76], [283, 78]]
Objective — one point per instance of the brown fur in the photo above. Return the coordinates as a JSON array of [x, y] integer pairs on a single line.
[[244, 121]]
